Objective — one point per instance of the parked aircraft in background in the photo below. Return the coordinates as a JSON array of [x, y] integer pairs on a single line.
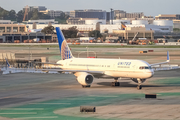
[[123, 26]]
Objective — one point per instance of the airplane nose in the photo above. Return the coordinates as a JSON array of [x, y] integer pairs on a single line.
[[152, 73]]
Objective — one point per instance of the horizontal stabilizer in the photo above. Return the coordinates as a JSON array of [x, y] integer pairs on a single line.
[[7, 63]]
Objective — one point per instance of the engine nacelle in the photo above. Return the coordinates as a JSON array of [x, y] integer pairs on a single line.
[[136, 81], [85, 79]]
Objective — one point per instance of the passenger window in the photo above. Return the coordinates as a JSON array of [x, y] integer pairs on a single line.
[[140, 68]]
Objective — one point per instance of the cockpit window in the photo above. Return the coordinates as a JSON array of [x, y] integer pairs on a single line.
[[145, 67], [150, 67]]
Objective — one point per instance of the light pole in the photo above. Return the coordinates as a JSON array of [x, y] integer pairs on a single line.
[[111, 16], [87, 52], [30, 57]]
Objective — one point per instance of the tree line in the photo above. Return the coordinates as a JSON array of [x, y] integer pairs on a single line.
[[71, 32], [32, 15], [35, 15]]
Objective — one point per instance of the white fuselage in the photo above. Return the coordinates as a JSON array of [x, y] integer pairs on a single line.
[[111, 67]]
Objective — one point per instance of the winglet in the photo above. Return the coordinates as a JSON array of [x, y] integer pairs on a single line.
[[7, 63], [168, 59]]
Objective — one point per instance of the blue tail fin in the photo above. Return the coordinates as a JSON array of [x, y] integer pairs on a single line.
[[7, 63], [64, 48]]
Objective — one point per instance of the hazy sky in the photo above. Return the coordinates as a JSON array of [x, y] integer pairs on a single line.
[[149, 7]]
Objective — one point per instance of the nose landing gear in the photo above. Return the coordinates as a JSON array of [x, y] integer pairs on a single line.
[[139, 87]]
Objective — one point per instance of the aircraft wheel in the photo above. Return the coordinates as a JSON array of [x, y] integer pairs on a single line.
[[139, 87], [86, 86], [114, 84]]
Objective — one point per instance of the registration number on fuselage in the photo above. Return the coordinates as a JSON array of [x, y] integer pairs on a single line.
[[124, 63]]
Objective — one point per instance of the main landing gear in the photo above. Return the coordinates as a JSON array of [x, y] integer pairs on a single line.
[[115, 83], [86, 86]]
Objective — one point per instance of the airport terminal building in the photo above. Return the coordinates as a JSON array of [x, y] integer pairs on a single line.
[[144, 27]]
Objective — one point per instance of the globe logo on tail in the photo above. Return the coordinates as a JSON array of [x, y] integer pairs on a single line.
[[65, 51]]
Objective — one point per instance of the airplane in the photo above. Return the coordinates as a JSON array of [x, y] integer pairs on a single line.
[[86, 69], [123, 26]]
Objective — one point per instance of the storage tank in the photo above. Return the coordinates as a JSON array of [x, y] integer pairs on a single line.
[[119, 21], [163, 22], [139, 22], [93, 22]]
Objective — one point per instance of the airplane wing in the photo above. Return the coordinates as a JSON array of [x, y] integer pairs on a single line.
[[176, 69], [72, 71], [97, 74], [167, 61], [48, 63], [59, 70], [159, 67]]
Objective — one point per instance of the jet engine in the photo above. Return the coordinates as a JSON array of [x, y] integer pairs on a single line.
[[85, 79], [136, 81]]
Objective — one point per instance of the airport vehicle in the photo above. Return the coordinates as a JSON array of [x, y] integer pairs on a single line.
[[86, 69]]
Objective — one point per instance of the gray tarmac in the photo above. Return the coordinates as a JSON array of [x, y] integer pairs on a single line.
[[59, 96], [159, 54], [27, 89]]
